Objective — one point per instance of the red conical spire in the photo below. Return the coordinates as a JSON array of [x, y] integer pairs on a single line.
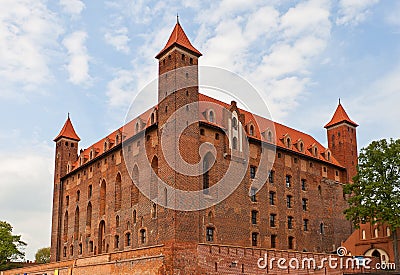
[[179, 38], [68, 131], [340, 116]]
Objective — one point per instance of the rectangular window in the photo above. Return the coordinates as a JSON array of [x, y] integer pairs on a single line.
[[67, 200], [289, 201], [304, 204], [254, 217], [271, 198], [303, 184], [254, 239], [290, 242], [290, 222], [210, 234], [288, 180], [253, 192], [273, 241], [271, 176], [253, 172], [272, 219], [305, 225]]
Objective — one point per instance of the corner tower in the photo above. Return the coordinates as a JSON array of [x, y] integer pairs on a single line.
[[342, 140], [66, 150], [66, 154]]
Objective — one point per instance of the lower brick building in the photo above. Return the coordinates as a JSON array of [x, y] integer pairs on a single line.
[[117, 205]]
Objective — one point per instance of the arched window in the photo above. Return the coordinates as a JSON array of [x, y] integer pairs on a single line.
[[134, 217], [363, 234], [207, 162], [234, 123], [269, 136], [137, 127], [134, 188], [118, 192], [288, 142], [76, 224], [66, 224], [143, 236], [251, 132], [376, 232], [117, 221], [388, 231], [128, 239], [234, 143], [101, 238], [103, 198], [89, 216], [154, 211], [211, 116]]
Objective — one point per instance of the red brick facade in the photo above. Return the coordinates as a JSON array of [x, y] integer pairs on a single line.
[[99, 211]]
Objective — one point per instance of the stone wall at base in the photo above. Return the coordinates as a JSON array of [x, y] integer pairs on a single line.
[[144, 261]]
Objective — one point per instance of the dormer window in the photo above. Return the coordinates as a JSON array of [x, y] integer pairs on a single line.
[[117, 139], [211, 116], [269, 136], [137, 127], [300, 146], [91, 155], [288, 142], [251, 130], [152, 120], [315, 151], [105, 146]]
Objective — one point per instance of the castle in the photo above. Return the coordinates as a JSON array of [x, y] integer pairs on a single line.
[[108, 205]]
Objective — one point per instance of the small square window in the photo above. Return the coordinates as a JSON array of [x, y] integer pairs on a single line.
[[271, 176], [303, 185], [272, 220], [290, 222], [210, 234], [254, 239], [288, 180], [271, 198]]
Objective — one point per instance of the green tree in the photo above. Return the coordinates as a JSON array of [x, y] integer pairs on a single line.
[[10, 246], [42, 256], [375, 191]]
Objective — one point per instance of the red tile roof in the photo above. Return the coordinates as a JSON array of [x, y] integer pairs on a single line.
[[261, 125], [68, 131], [178, 37], [340, 116]]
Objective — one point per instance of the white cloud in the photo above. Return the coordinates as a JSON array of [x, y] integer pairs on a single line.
[[353, 12], [73, 7], [118, 38], [78, 66], [121, 89], [26, 194], [28, 40]]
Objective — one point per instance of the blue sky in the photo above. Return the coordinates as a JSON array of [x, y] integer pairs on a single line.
[[90, 58]]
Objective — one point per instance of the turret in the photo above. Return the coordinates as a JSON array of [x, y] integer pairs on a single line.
[[66, 150], [342, 140]]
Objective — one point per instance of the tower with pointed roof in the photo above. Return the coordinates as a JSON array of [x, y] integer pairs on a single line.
[[342, 140], [66, 154], [178, 74]]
